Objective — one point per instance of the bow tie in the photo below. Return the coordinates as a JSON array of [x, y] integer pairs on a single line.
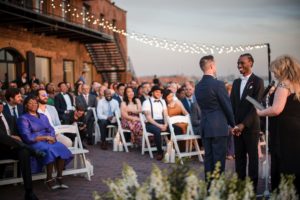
[[156, 101], [244, 78]]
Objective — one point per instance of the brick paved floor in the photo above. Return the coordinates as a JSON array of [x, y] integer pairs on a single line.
[[107, 164]]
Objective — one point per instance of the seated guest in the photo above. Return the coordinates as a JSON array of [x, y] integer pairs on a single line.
[[14, 108], [36, 131], [175, 108], [52, 115], [78, 117], [12, 147], [189, 97], [130, 109], [119, 93], [63, 102], [180, 94], [146, 88], [50, 89], [95, 88], [87, 100], [78, 89], [155, 110], [105, 111]]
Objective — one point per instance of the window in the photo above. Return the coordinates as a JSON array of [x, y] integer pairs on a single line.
[[85, 14], [101, 21], [42, 69], [7, 66], [69, 71], [88, 68], [65, 7]]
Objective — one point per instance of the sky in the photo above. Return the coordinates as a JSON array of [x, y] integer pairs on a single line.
[[219, 22]]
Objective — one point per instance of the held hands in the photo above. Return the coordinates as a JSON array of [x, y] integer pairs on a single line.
[[259, 112], [237, 130], [50, 139]]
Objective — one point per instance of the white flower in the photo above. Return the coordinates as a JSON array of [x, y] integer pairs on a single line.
[[191, 190]]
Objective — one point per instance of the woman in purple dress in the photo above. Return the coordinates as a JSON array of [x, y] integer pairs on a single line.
[[36, 131]]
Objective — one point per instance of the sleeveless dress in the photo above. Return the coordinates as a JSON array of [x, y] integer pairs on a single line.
[[174, 111], [286, 139], [135, 128]]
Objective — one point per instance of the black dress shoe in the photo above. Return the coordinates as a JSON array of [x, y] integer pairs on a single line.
[[30, 196], [159, 156]]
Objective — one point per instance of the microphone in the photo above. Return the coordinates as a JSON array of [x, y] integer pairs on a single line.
[[268, 89]]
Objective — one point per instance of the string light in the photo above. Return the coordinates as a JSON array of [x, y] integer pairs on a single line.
[[167, 44]]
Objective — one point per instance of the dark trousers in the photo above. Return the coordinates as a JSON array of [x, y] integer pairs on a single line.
[[156, 132], [247, 144], [103, 123], [23, 156], [215, 151], [275, 170], [90, 129]]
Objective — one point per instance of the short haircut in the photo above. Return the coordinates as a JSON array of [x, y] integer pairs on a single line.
[[120, 85], [145, 83], [80, 108], [11, 93], [249, 56], [38, 91], [60, 83], [204, 60]]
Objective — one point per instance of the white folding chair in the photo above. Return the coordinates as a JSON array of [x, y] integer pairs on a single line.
[[145, 139], [121, 131], [96, 125], [189, 138], [77, 150]]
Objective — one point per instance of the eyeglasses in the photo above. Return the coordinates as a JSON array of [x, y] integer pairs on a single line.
[[44, 95]]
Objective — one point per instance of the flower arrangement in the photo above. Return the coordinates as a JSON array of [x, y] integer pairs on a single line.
[[182, 183]]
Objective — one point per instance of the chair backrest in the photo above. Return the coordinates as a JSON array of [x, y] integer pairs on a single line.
[[142, 119], [118, 118], [180, 119], [70, 129], [94, 113]]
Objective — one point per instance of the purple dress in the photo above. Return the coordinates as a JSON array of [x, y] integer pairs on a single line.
[[30, 127]]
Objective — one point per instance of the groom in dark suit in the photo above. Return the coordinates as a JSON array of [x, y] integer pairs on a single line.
[[217, 114], [248, 126]]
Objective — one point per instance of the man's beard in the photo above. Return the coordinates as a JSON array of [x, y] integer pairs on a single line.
[[42, 101]]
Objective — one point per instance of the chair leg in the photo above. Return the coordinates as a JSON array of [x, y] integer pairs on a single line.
[[149, 147], [123, 140], [143, 145], [200, 157]]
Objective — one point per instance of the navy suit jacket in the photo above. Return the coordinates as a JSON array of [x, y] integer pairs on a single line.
[[186, 104], [215, 106], [11, 120], [117, 97]]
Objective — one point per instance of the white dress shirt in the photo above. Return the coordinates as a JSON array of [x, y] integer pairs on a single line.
[[68, 101], [11, 109], [6, 124], [106, 108], [158, 108], [243, 84]]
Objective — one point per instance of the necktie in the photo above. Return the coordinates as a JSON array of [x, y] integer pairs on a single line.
[[86, 99], [15, 113], [109, 109], [2, 125], [156, 101], [190, 102]]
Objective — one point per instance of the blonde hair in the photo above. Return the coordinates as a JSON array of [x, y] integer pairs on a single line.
[[287, 70]]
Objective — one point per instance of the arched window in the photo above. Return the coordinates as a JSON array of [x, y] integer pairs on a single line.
[[11, 64]]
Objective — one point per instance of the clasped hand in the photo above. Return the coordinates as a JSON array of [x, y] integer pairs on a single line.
[[237, 130]]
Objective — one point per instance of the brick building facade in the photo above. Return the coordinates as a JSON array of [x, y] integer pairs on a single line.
[[57, 40]]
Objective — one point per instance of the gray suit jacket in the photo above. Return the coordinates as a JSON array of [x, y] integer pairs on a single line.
[[196, 118], [92, 101]]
